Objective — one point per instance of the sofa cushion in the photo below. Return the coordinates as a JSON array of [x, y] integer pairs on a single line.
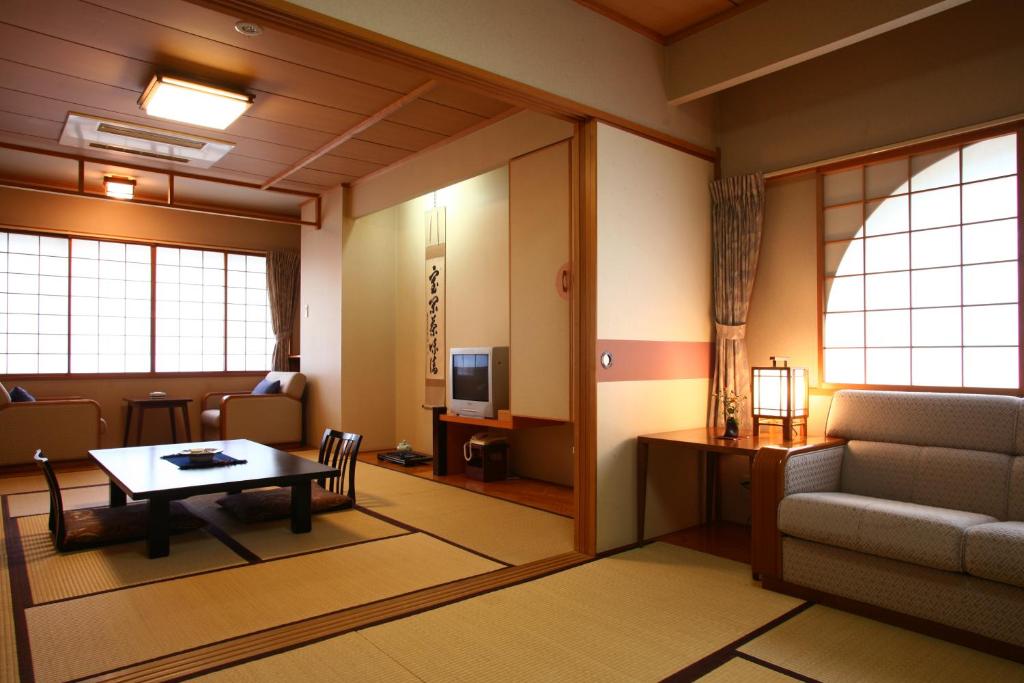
[[5, 397], [21, 395], [953, 478], [292, 383], [265, 387], [210, 418], [969, 421], [1017, 491], [996, 552], [919, 534]]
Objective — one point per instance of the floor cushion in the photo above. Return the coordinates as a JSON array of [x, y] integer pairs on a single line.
[[102, 526], [919, 534], [268, 504]]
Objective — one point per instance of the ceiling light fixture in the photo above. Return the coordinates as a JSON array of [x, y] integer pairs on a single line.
[[247, 28], [201, 105], [117, 187]]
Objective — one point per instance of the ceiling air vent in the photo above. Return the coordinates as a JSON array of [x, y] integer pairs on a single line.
[[85, 131]]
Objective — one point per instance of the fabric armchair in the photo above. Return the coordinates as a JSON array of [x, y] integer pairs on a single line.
[[65, 428], [274, 419]]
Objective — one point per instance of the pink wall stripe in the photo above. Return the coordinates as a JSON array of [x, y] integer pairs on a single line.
[[637, 360]]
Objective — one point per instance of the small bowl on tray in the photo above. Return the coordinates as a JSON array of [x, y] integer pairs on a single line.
[[200, 455]]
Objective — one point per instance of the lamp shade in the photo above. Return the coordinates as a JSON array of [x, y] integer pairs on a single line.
[[780, 396]]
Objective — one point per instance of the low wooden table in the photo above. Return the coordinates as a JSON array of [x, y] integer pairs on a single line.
[[711, 445], [146, 403], [141, 473]]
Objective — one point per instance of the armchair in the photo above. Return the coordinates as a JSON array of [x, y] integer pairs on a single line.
[[274, 419], [64, 428]]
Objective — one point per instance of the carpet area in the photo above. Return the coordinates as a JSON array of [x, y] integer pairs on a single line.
[[157, 619], [506, 531], [56, 576], [830, 645], [38, 502], [269, 540], [642, 615]]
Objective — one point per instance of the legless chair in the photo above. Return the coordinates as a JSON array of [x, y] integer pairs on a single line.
[[77, 529], [337, 449]]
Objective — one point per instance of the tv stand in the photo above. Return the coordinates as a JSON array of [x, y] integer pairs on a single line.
[[452, 431]]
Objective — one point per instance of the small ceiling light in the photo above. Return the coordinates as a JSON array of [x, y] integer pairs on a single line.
[[187, 102], [118, 187], [247, 28]]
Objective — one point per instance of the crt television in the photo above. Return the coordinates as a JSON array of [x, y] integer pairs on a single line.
[[478, 381]]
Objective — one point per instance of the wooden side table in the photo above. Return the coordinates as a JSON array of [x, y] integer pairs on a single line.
[[710, 445], [146, 403]]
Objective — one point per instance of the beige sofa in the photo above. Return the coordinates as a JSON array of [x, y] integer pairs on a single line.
[[269, 419], [920, 512], [64, 428]]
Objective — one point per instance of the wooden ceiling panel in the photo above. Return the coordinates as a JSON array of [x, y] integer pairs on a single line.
[[96, 57], [368, 151], [210, 24], [434, 117], [661, 19]]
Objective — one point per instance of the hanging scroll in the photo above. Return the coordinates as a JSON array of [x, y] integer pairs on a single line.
[[434, 292]]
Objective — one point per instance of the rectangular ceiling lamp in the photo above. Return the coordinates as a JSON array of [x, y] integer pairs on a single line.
[[117, 187], [194, 103]]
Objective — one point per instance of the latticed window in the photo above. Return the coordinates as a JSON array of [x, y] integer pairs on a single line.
[[921, 270]]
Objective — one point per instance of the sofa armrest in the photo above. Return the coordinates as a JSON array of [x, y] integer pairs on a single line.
[[218, 395], [264, 418], [65, 429], [776, 473]]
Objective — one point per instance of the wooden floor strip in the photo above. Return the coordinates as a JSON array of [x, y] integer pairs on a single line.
[[278, 639]]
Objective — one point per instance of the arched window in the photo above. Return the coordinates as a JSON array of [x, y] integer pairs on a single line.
[[921, 271]]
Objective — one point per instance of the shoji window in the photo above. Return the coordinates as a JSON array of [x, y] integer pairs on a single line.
[[921, 269], [33, 304], [250, 333], [189, 310], [110, 307]]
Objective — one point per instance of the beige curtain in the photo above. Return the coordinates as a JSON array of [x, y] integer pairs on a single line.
[[283, 290], [737, 215]]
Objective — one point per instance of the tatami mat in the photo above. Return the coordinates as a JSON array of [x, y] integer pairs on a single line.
[[831, 645], [640, 615], [54, 576], [38, 503], [739, 670], [346, 658], [8, 644], [100, 632], [506, 531], [274, 539], [67, 478]]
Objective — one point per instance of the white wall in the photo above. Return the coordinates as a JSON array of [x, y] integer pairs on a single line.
[[653, 284], [368, 328], [321, 278], [555, 45]]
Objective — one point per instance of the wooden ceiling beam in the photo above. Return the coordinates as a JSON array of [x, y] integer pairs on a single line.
[[353, 131]]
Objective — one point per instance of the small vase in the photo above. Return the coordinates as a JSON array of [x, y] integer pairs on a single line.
[[732, 428]]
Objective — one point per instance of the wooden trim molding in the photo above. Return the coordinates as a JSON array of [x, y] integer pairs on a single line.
[[641, 360], [336, 33], [584, 297]]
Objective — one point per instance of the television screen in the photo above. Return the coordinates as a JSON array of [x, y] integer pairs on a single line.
[[469, 376]]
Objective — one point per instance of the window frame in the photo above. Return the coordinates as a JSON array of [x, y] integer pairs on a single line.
[[152, 244], [907, 150]]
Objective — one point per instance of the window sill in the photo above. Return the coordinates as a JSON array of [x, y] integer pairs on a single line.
[[132, 375]]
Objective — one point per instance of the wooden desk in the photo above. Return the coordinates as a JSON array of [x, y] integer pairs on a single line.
[[141, 473], [144, 404], [708, 443]]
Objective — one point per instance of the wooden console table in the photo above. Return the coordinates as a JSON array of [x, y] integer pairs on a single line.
[[452, 431], [706, 442]]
